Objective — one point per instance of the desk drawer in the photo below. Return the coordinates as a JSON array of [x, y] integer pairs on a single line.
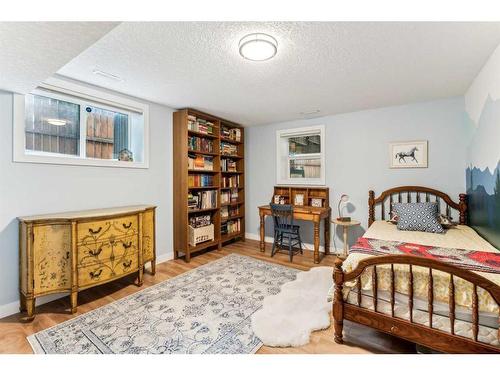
[[107, 230], [107, 269], [91, 252]]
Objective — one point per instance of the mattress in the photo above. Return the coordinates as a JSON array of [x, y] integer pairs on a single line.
[[461, 236]]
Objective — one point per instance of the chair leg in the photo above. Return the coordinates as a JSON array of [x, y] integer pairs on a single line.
[[273, 250], [290, 250]]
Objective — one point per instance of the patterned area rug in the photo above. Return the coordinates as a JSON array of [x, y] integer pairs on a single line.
[[206, 310]]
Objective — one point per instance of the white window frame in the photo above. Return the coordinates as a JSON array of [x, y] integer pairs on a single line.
[[58, 88], [283, 170]]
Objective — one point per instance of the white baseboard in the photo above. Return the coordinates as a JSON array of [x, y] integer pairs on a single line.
[[13, 307]]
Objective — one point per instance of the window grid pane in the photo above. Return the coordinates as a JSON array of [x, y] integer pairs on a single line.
[[52, 125], [305, 168], [107, 133], [307, 144]]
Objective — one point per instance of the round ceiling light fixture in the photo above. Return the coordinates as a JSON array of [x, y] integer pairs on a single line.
[[258, 47]]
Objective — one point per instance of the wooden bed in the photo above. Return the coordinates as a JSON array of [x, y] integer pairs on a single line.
[[352, 309]]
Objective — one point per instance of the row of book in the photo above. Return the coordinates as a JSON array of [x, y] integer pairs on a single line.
[[200, 162], [228, 165], [200, 144], [231, 133], [198, 221], [230, 181], [200, 180], [229, 211], [200, 125], [229, 196], [231, 226], [202, 200], [228, 149]]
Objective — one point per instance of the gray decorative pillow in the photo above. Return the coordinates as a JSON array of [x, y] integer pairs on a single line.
[[422, 217]]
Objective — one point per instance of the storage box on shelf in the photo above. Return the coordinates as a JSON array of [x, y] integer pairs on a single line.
[[209, 180]]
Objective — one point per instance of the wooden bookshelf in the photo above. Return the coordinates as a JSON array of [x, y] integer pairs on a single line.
[[226, 151]]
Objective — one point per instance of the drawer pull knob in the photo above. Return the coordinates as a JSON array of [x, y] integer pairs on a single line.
[[95, 253], [67, 254], [127, 264], [96, 231], [95, 275], [127, 226], [394, 329]]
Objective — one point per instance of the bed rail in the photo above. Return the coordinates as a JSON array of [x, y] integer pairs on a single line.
[[425, 335], [408, 194]]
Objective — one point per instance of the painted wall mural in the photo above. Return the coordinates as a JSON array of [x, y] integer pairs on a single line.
[[483, 171]]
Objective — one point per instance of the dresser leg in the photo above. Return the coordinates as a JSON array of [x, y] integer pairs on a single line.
[[153, 267], [74, 302], [22, 302], [30, 309], [140, 277]]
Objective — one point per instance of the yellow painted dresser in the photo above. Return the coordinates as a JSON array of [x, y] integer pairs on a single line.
[[73, 251]]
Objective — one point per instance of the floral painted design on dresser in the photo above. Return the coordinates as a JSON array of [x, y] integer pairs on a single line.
[[52, 263]]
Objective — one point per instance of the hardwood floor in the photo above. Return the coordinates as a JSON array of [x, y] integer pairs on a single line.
[[358, 339]]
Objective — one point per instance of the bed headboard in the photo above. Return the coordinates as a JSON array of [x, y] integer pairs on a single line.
[[408, 194]]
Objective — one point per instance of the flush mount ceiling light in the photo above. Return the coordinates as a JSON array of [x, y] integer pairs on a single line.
[[258, 47]]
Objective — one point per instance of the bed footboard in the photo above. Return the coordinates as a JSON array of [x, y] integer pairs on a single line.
[[423, 334]]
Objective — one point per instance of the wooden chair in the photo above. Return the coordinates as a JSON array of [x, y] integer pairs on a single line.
[[284, 229]]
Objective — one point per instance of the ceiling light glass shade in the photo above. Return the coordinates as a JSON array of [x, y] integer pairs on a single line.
[[258, 47], [56, 121]]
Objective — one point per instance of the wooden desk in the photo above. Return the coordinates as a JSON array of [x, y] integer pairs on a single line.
[[307, 213]]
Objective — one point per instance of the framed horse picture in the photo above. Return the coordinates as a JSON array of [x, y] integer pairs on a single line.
[[411, 154]]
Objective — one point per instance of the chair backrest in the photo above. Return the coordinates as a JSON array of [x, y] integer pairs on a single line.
[[282, 215]]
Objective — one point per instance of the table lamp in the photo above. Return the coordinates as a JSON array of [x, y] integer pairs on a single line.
[[344, 198]]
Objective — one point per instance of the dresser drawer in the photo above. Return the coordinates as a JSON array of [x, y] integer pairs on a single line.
[[107, 230], [92, 252], [107, 269]]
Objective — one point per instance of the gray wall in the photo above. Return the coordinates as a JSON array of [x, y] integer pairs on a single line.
[[27, 189], [357, 156]]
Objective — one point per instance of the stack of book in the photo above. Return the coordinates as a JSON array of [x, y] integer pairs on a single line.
[[228, 149], [200, 125], [228, 211], [230, 196], [202, 200], [200, 180], [230, 227], [200, 162], [228, 165], [200, 144], [229, 182], [200, 221], [231, 133]]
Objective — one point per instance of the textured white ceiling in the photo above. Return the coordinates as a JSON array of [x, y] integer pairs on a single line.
[[32, 51], [334, 67]]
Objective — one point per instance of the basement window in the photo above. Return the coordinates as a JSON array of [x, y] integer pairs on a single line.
[[301, 156], [72, 124]]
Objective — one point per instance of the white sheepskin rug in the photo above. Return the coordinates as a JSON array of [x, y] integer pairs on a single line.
[[288, 318]]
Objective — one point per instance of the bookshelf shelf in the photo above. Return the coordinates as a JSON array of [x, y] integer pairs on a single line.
[[224, 139], [196, 152], [199, 134], [201, 171], [223, 142]]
